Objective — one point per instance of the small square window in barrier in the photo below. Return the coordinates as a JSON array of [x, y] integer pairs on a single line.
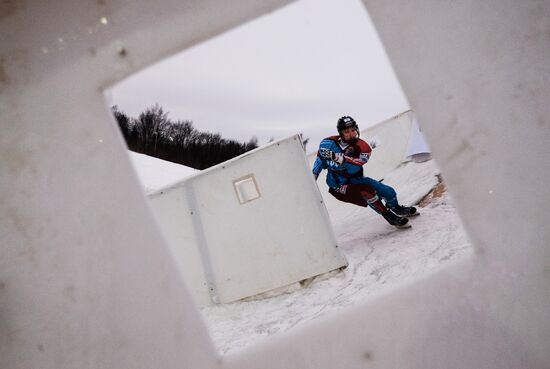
[[246, 189]]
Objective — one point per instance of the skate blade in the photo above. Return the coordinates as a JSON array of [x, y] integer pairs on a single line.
[[403, 226]]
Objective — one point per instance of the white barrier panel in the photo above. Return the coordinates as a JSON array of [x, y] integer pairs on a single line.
[[249, 225], [393, 135]]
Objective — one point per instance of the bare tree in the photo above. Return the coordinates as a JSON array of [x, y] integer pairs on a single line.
[[150, 125], [152, 133]]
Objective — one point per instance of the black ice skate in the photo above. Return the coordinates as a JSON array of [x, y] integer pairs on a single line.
[[405, 211], [396, 220]]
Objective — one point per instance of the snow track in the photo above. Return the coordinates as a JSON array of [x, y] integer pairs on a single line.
[[379, 255]]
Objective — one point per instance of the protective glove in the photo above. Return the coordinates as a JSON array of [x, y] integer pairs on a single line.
[[325, 153], [374, 142], [336, 157]]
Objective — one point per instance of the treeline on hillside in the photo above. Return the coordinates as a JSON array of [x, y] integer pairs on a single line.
[[154, 134]]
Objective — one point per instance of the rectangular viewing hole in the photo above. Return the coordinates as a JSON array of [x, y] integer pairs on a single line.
[[242, 83], [246, 189]]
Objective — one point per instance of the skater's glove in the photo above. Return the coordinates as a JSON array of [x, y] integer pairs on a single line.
[[336, 157], [325, 153], [374, 142]]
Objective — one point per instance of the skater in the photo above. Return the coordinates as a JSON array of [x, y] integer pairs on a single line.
[[344, 156]]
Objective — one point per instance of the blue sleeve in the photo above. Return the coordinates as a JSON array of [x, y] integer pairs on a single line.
[[351, 166], [321, 163], [318, 166], [331, 146]]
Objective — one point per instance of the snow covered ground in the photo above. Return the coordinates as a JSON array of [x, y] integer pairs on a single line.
[[379, 255], [156, 173]]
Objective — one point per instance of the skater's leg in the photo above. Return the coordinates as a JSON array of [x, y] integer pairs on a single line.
[[364, 195], [361, 195], [389, 195], [383, 190]]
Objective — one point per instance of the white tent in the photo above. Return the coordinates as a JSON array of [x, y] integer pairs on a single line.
[[418, 149]]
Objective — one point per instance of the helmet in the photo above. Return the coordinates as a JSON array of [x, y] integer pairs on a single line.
[[346, 122]]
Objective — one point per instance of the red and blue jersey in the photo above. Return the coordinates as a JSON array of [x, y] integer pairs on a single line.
[[354, 157]]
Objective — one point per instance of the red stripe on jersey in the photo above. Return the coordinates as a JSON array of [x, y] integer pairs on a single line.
[[355, 161]]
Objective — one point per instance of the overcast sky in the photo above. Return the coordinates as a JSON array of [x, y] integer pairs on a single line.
[[295, 70]]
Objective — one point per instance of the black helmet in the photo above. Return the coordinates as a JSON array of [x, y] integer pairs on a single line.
[[346, 122]]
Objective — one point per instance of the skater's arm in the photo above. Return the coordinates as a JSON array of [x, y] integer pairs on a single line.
[[362, 157], [318, 167]]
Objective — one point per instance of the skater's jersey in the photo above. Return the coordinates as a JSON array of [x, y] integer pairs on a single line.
[[355, 156]]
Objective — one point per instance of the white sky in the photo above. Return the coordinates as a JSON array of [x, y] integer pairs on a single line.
[[296, 70]]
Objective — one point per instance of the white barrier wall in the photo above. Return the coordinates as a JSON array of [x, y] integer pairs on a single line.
[[249, 225], [393, 134], [86, 280]]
